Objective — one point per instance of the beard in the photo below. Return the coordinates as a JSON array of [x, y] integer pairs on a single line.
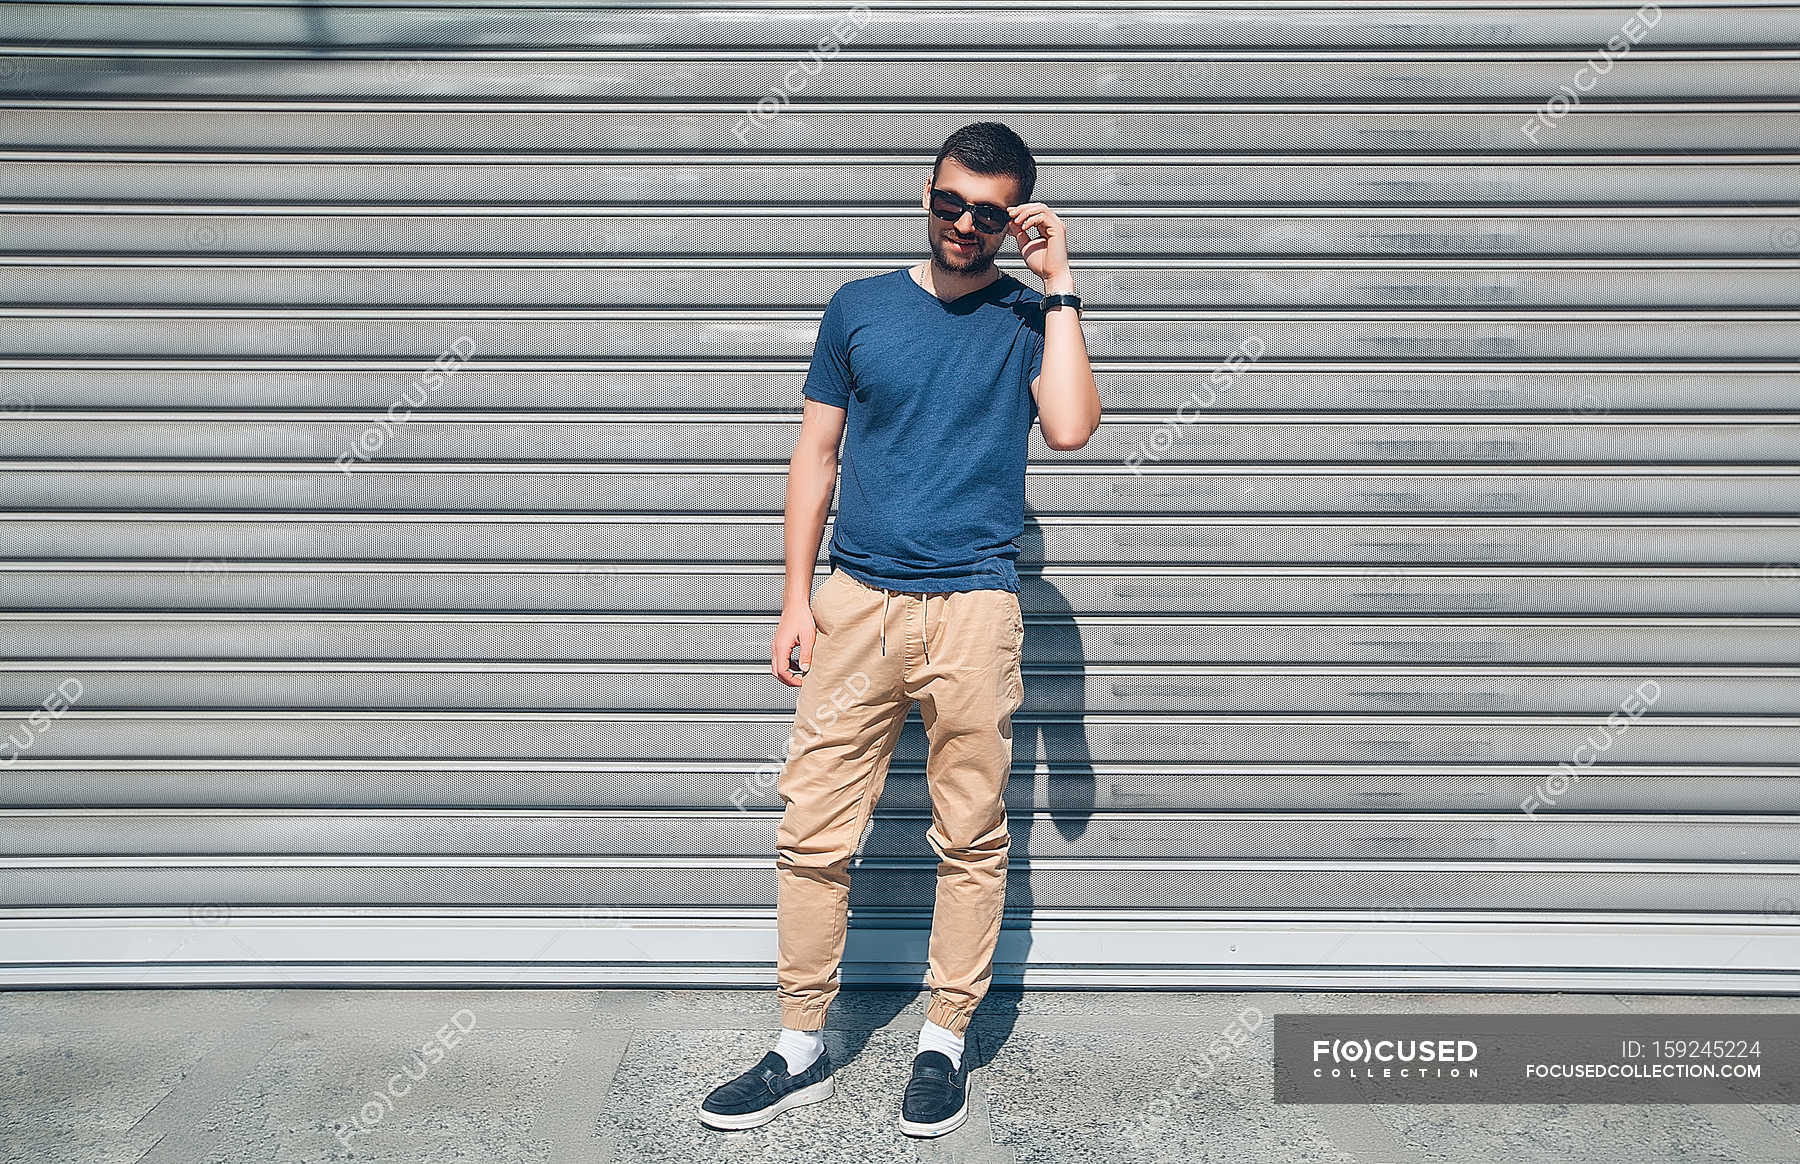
[[974, 263]]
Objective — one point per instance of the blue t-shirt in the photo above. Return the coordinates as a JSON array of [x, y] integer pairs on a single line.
[[939, 413]]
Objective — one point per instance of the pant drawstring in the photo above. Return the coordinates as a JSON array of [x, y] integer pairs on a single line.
[[925, 610]]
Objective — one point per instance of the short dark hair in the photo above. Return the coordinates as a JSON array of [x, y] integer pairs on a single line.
[[988, 147]]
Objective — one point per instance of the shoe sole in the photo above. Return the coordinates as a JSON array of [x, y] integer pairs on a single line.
[[812, 1093], [940, 1128]]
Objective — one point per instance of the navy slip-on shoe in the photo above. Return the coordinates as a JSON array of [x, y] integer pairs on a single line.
[[937, 1096], [765, 1091]]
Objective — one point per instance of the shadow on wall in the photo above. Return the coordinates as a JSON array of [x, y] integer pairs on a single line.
[[1050, 746]]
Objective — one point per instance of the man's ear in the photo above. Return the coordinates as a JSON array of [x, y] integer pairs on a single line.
[[925, 198]]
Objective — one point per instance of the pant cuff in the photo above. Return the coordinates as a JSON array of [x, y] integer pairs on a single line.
[[949, 1016], [802, 1018]]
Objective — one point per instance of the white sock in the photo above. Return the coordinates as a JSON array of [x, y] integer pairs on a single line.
[[800, 1048], [935, 1038]]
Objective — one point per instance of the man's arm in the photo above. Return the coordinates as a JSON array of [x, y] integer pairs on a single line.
[[812, 475], [1067, 398]]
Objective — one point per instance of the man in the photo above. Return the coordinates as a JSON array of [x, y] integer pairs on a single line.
[[932, 375]]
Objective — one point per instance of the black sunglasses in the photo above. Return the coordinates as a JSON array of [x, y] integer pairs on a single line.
[[949, 206]]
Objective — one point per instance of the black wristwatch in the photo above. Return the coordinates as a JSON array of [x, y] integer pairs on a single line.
[[1060, 298]]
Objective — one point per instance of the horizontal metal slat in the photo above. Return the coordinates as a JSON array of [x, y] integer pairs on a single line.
[[211, 542], [980, 25], [798, 233], [1485, 387], [1419, 591], [1526, 186], [913, 125], [661, 487], [1209, 435], [746, 685], [1053, 635], [1066, 792], [741, 883], [598, 946], [1646, 283], [1449, 739], [599, 72], [901, 836], [1199, 337]]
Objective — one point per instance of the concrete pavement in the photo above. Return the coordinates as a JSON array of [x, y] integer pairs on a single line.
[[560, 1076]]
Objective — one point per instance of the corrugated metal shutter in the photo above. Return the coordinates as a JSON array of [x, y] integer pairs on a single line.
[[1520, 443]]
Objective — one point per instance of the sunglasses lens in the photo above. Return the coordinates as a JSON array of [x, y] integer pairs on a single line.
[[947, 206], [950, 207], [989, 219]]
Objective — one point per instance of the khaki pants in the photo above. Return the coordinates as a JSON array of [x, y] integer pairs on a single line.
[[878, 651]]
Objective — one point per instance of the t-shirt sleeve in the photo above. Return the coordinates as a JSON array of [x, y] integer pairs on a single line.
[[828, 380]]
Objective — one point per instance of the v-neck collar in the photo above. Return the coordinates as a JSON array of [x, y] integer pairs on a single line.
[[985, 289]]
